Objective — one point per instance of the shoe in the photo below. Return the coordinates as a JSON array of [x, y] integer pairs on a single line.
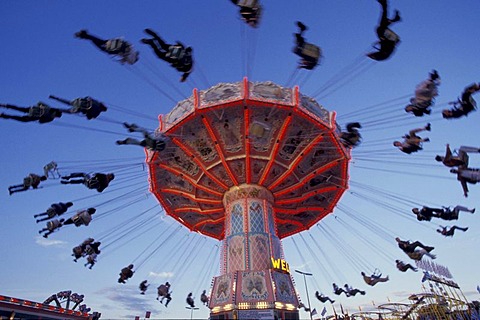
[[428, 249], [299, 39], [301, 26], [426, 140], [150, 32], [82, 34], [473, 210], [131, 127], [121, 142], [425, 277], [409, 108], [428, 127], [427, 111], [64, 182], [397, 17]]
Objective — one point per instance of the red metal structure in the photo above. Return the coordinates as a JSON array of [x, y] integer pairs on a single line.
[[249, 164]]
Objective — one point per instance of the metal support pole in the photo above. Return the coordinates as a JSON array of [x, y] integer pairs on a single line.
[[191, 312], [306, 289]]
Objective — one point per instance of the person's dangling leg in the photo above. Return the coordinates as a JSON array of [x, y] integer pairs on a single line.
[[17, 188], [11, 106], [77, 181], [18, 118], [384, 21], [165, 46], [457, 209], [75, 175], [130, 141], [460, 228], [160, 54], [99, 43]]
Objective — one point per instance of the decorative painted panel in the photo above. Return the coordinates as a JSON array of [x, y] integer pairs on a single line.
[[254, 286], [222, 292], [284, 290]]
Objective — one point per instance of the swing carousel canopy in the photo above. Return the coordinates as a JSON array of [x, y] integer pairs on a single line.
[[249, 133]]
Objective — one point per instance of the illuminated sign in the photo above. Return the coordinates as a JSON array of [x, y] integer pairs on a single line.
[[281, 265]]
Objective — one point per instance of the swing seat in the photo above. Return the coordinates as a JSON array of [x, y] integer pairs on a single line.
[[175, 52], [38, 111], [92, 183], [123, 50], [115, 45], [391, 36], [81, 104], [130, 56], [252, 4], [311, 51]]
